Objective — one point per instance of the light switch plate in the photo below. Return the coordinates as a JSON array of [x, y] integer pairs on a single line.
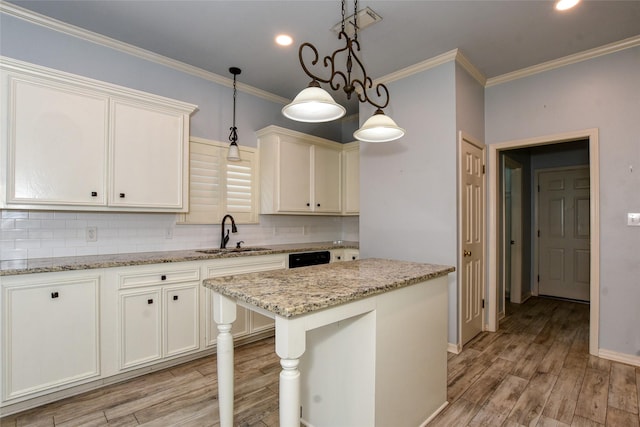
[[633, 219]]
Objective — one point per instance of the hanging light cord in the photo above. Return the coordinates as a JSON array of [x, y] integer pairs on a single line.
[[339, 79], [233, 136]]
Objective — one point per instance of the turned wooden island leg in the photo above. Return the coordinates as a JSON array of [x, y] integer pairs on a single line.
[[224, 314], [290, 346], [289, 393], [225, 374]]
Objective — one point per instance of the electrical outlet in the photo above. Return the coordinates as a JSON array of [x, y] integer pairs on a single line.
[[633, 219], [91, 234], [168, 234]]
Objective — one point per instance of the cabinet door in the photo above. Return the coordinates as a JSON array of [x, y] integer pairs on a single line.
[[51, 335], [327, 180], [182, 319], [147, 156], [57, 146], [351, 180], [337, 255], [294, 189], [351, 254], [140, 327]]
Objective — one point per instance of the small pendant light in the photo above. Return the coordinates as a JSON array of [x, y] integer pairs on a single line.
[[234, 152]]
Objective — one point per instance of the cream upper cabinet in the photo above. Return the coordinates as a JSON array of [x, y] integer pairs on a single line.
[[148, 155], [58, 145], [76, 143], [327, 179], [351, 181], [299, 174]]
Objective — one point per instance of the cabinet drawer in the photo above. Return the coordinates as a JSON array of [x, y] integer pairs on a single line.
[[157, 276], [246, 265]]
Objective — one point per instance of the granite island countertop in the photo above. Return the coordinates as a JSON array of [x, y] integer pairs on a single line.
[[47, 265], [293, 292]]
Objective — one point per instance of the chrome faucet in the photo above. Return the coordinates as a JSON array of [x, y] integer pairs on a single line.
[[225, 239]]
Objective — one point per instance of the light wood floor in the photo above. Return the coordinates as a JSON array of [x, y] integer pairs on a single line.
[[535, 371]]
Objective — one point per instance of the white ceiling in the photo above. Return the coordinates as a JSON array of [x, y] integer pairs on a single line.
[[498, 37]]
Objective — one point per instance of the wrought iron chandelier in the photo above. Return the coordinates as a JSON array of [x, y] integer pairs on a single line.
[[234, 153], [314, 104]]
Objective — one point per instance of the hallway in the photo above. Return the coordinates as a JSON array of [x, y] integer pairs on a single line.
[[537, 371]]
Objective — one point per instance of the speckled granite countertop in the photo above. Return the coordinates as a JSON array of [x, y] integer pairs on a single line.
[[297, 291], [45, 265]]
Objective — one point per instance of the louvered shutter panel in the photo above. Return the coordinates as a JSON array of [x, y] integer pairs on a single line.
[[205, 187], [241, 187]]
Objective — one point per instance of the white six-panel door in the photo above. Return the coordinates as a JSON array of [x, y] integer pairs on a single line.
[[471, 189], [564, 233]]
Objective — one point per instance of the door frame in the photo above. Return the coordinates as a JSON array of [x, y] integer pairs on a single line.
[[594, 222], [462, 138], [509, 163]]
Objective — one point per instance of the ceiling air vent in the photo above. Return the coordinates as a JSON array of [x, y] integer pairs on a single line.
[[366, 17]]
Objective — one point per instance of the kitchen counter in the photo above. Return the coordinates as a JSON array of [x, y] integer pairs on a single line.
[[298, 291], [360, 342], [46, 265]]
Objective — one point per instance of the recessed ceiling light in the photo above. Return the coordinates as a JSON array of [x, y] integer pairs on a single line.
[[284, 40], [566, 4]]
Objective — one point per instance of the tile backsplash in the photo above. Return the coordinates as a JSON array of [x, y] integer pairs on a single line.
[[41, 234]]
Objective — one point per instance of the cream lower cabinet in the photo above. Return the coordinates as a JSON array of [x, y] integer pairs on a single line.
[[67, 332], [159, 313], [247, 321], [338, 255], [50, 334]]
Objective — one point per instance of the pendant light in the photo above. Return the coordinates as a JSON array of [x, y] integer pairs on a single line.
[[315, 104], [379, 128], [234, 153]]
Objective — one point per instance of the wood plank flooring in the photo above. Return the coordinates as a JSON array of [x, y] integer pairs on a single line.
[[536, 371]]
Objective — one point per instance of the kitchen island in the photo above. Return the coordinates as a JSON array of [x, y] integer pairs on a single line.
[[361, 343]]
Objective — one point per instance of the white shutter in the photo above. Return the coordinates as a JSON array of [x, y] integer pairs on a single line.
[[205, 186], [218, 187], [241, 187]]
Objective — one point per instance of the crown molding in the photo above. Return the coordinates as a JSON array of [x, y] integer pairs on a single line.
[[567, 60], [62, 27], [452, 55], [417, 68], [470, 68]]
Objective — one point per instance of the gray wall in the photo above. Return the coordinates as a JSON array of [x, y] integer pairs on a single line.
[[601, 93], [408, 187]]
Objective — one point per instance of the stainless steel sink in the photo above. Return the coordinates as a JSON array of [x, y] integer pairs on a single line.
[[231, 250]]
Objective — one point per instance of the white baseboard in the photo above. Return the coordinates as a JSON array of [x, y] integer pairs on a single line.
[[629, 359], [435, 414], [454, 348]]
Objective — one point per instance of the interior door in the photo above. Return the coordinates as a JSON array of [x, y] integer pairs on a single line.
[[564, 233], [471, 260]]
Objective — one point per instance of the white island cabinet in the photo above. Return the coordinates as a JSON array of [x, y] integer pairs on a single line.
[[361, 343], [76, 143]]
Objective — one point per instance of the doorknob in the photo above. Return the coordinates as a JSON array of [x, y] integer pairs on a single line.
[[467, 253]]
